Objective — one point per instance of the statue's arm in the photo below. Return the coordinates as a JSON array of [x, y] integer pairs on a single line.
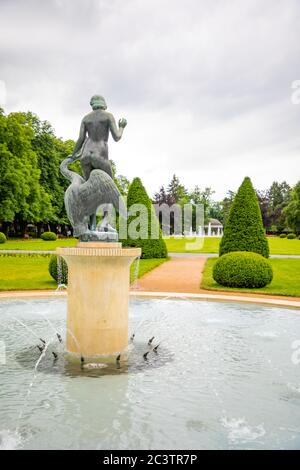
[[116, 132], [80, 141]]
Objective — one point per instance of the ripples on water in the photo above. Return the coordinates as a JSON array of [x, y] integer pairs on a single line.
[[222, 378]]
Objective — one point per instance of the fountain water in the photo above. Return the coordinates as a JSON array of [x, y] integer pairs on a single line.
[[218, 375], [135, 281], [61, 275]]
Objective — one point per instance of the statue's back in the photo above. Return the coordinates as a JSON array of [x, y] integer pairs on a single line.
[[97, 125]]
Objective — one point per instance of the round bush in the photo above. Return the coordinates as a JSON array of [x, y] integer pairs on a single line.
[[49, 236], [2, 237], [243, 269], [291, 236], [282, 235], [53, 269]]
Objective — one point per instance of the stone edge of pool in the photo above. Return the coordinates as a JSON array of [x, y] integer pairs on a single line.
[[279, 302]]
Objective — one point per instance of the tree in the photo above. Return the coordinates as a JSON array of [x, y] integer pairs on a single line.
[[279, 197], [147, 223], [272, 203], [292, 210], [226, 205], [31, 201], [216, 211], [121, 181], [161, 197], [176, 192], [204, 197], [244, 229]]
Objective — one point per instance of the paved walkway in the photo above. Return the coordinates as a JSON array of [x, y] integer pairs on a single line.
[[180, 274]]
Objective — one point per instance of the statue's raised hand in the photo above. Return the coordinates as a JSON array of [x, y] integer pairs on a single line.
[[122, 122]]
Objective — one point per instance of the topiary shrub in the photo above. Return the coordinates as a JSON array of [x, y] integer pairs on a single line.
[[244, 229], [2, 237], [49, 236], [53, 269], [291, 236], [282, 235], [243, 269], [151, 248]]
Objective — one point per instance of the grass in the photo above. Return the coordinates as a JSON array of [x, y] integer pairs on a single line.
[[146, 265], [278, 246], [286, 280], [37, 244], [27, 272]]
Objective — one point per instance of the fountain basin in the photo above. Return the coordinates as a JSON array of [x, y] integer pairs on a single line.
[[226, 376], [98, 294]]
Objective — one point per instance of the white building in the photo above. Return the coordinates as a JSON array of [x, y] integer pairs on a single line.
[[214, 228]]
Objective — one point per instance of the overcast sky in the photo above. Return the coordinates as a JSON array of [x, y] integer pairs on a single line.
[[205, 85]]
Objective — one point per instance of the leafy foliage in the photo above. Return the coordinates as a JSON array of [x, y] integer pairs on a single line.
[[244, 230], [243, 269], [151, 248], [53, 269], [292, 211], [2, 237], [49, 236], [31, 186], [272, 203]]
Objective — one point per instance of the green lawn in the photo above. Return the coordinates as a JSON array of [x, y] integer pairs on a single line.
[[286, 280], [31, 272], [37, 244], [278, 246]]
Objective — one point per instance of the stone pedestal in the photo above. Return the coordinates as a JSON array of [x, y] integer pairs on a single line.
[[98, 294]]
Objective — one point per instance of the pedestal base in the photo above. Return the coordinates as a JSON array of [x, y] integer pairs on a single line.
[[98, 294]]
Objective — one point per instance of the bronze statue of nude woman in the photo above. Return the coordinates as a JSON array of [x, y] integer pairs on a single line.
[[91, 146]]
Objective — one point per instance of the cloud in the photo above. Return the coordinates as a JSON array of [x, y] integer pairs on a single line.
[[205, 85]]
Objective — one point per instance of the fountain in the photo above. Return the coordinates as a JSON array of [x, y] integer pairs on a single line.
[[195, 375], [98, 293], [98, 267]]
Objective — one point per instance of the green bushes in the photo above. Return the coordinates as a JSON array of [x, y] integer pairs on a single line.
[[49, 236], [282, 235], [291, 236], [242, 269], [54, 269], [143, 223], [244, 229], [2, 237]]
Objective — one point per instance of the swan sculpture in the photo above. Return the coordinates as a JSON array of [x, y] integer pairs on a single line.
[[83, 198]]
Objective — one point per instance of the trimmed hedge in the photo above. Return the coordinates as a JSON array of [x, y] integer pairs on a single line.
[[2, 237], [52, 268], [282, 235], [151, 248], [243, 269], [244, 229], [49, 236], [291, 236]]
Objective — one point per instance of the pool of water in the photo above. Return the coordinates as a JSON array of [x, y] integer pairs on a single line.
[[225, 376]]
